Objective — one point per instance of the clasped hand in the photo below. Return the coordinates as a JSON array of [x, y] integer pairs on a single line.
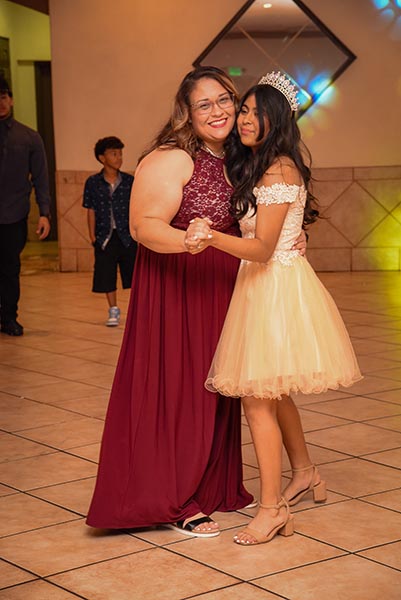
[[199, 235]]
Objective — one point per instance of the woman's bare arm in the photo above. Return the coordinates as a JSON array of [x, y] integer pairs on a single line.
[[156, 198]]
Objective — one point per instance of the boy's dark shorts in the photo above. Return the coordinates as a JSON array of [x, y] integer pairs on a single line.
[[114, 255]]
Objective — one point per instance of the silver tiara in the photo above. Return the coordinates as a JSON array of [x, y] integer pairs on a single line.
[[283, 85]]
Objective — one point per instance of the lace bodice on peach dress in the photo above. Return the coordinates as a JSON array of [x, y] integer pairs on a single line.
[[279, 193]]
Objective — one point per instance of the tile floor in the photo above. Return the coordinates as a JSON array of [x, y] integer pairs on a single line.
[[54, 386]]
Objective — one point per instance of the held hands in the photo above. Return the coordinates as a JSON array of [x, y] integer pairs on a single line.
[[199, 235]]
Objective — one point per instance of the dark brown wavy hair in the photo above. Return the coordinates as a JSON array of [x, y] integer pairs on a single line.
[[245, 169], [178, 131]]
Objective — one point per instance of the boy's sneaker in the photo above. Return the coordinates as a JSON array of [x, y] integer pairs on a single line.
[[114, 317]]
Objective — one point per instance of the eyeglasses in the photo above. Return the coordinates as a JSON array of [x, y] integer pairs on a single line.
[[204, 107]]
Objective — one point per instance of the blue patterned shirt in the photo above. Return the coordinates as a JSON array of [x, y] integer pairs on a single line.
[[99, 197]]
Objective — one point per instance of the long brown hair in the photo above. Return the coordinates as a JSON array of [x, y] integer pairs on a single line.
[[178, 131], [245, 169]]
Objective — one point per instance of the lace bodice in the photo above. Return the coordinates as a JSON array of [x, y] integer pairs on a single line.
[[207, 194], [279, 193]]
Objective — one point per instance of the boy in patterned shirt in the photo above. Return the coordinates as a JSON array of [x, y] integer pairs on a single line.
[[107, 196]]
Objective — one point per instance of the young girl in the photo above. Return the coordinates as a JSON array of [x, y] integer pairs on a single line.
[[283, 332]]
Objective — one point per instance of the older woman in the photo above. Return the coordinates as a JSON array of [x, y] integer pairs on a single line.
[[171, 450]]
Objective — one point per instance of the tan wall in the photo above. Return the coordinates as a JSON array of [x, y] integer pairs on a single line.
[[361, 124], [116, 67], [29, 35]]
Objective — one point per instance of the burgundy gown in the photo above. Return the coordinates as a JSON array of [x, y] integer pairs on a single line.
[[171, 448]]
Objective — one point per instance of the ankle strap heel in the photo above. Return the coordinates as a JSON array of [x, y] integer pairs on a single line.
[[318, 489], [287, 528]]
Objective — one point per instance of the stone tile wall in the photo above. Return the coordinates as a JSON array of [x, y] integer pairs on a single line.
[[361, 225], [360, 229]]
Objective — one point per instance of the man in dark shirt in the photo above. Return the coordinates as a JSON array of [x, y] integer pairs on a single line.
[[22, 165]]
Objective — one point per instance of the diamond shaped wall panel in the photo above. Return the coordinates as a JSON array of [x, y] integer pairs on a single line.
[[388, 193], [326, 192], [324, 234], [396, 213], [387, 234], [355, 213]]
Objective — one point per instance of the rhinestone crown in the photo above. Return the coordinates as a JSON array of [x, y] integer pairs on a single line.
[[284, 85]]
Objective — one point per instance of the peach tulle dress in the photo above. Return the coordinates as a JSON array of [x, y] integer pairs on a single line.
[[283, 332]]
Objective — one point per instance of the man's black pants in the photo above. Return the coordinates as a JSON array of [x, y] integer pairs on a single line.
[[12, 241]]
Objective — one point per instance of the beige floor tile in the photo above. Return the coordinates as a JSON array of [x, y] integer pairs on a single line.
[[347, 578], [392, 338], [392, 458], [390, 396], [104, 354], [365, 346], [372, 384], [249, 472], [90, 452], [37, 590], [318, 456], [63, 344], [355, 439], [391, 499], [103, 381], [390, 374], [248, 455], [20, 382], [242, 591], [356, 477], [92, 406], [358, 408], [246, 437], [389, 555], [393, 423], [156, 574], [39, 471], [10, 575], [352, 525], [22, 513], [68, 367], [17, 414], [66, 546], [247, 563], [6, 491], [393, 354], [303, 399], [367, 331], [62, 390], [69, 434], [13, 447], [372, 363], [74, 496], [312, 421]]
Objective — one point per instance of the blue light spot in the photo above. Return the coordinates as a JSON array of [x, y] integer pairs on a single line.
[[387, 15], [398, 3], [381, 3], [325, 96], [318, 85]]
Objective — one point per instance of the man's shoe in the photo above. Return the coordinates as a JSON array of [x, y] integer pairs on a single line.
[[12, 328], [114, 317]]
